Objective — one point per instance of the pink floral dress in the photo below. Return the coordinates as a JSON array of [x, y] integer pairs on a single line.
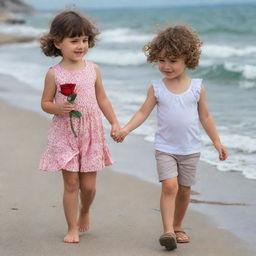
[[88, 151]]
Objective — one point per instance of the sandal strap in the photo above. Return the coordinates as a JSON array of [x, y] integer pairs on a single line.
[[180, 231]]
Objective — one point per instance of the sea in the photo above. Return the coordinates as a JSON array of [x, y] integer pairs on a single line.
[[227, 66]]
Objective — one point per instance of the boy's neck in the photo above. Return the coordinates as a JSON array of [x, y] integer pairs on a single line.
[[183, 78], [178, 84]]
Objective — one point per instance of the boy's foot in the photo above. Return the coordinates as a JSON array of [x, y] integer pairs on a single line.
[[168, 240], [181, 236], [71, 237], [84, 222]]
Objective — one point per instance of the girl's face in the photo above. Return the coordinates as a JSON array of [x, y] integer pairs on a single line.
[[73, 48], [172, 67]]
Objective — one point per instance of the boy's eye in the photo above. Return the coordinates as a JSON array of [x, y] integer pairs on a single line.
[[85, 40], [73, 41]]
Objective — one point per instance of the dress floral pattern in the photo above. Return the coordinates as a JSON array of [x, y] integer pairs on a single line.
[[89, 151]]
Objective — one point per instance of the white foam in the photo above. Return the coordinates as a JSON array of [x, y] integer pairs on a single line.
[[240, 143], [117, 57], [248, 71], [124, 35], [22, 30], [224, 51]]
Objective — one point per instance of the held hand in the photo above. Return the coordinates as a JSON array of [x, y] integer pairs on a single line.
[[65, 108], [120, 135], [223, 153], [115, 128]]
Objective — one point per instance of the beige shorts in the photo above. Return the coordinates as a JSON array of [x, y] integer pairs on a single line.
[[181, 166]]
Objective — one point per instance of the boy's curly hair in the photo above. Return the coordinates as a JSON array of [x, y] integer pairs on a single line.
[[67, 24], [175, 41]]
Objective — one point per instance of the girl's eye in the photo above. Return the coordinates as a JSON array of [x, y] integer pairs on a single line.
[[74, 41], [85, 40], [160, 60]]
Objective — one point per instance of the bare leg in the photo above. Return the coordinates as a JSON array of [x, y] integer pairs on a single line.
[[70, 204], [88, 190], [167, 203], [181, 205]]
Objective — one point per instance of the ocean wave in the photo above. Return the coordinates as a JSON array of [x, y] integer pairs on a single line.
[[124, 35], [239, 143], [117, 57], [244, 163], [248, 71], [224, 51], [22, 30], [230, 70]]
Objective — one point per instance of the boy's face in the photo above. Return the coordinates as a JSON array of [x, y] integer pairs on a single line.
[[73, 48], [171, 67]]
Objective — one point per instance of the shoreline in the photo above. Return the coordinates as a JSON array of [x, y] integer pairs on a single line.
[[118, 227], [12, 39]]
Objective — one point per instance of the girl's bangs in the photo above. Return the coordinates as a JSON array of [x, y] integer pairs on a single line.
[[76, 30]]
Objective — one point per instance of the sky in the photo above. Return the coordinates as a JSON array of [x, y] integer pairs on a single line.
[[57, 4]]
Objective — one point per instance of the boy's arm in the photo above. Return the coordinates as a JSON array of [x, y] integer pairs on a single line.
[[105, 104], [209, 125], [139, 117]]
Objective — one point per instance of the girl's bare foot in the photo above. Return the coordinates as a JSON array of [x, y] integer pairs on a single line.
[[84, 221], [72, 237]]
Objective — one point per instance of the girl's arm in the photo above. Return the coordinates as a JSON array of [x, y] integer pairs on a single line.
[[209, 125], [105, 104], [47, 103], [139, 117]]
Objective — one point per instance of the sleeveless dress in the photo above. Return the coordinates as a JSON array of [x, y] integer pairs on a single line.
[[88, 151]]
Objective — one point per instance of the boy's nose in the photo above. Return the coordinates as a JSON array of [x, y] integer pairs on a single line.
[[167, 65]]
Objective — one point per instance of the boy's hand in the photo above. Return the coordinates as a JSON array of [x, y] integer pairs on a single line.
[[120, 135], [223, 153]]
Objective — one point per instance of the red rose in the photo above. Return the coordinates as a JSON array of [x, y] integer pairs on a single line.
[[67, 89]]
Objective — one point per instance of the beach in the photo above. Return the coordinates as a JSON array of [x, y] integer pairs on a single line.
[[125, 214]]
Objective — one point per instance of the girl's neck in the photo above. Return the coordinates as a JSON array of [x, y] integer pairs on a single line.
[[71, 65]]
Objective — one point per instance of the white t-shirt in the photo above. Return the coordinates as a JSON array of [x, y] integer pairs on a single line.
[[178, 121]]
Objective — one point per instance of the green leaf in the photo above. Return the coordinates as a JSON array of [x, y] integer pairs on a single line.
[[76, 113], [71, 98]]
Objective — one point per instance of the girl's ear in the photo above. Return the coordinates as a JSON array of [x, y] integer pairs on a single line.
[[57, 44]]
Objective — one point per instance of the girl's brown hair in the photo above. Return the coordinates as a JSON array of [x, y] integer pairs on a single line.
[[67, 24], [175, 41]]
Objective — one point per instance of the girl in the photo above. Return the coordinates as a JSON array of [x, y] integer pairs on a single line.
[[181, 104], [76, 143]]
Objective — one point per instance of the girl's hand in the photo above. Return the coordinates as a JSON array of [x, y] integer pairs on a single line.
[[114, 129], [120, 135], [65, 108], [223, 153]]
